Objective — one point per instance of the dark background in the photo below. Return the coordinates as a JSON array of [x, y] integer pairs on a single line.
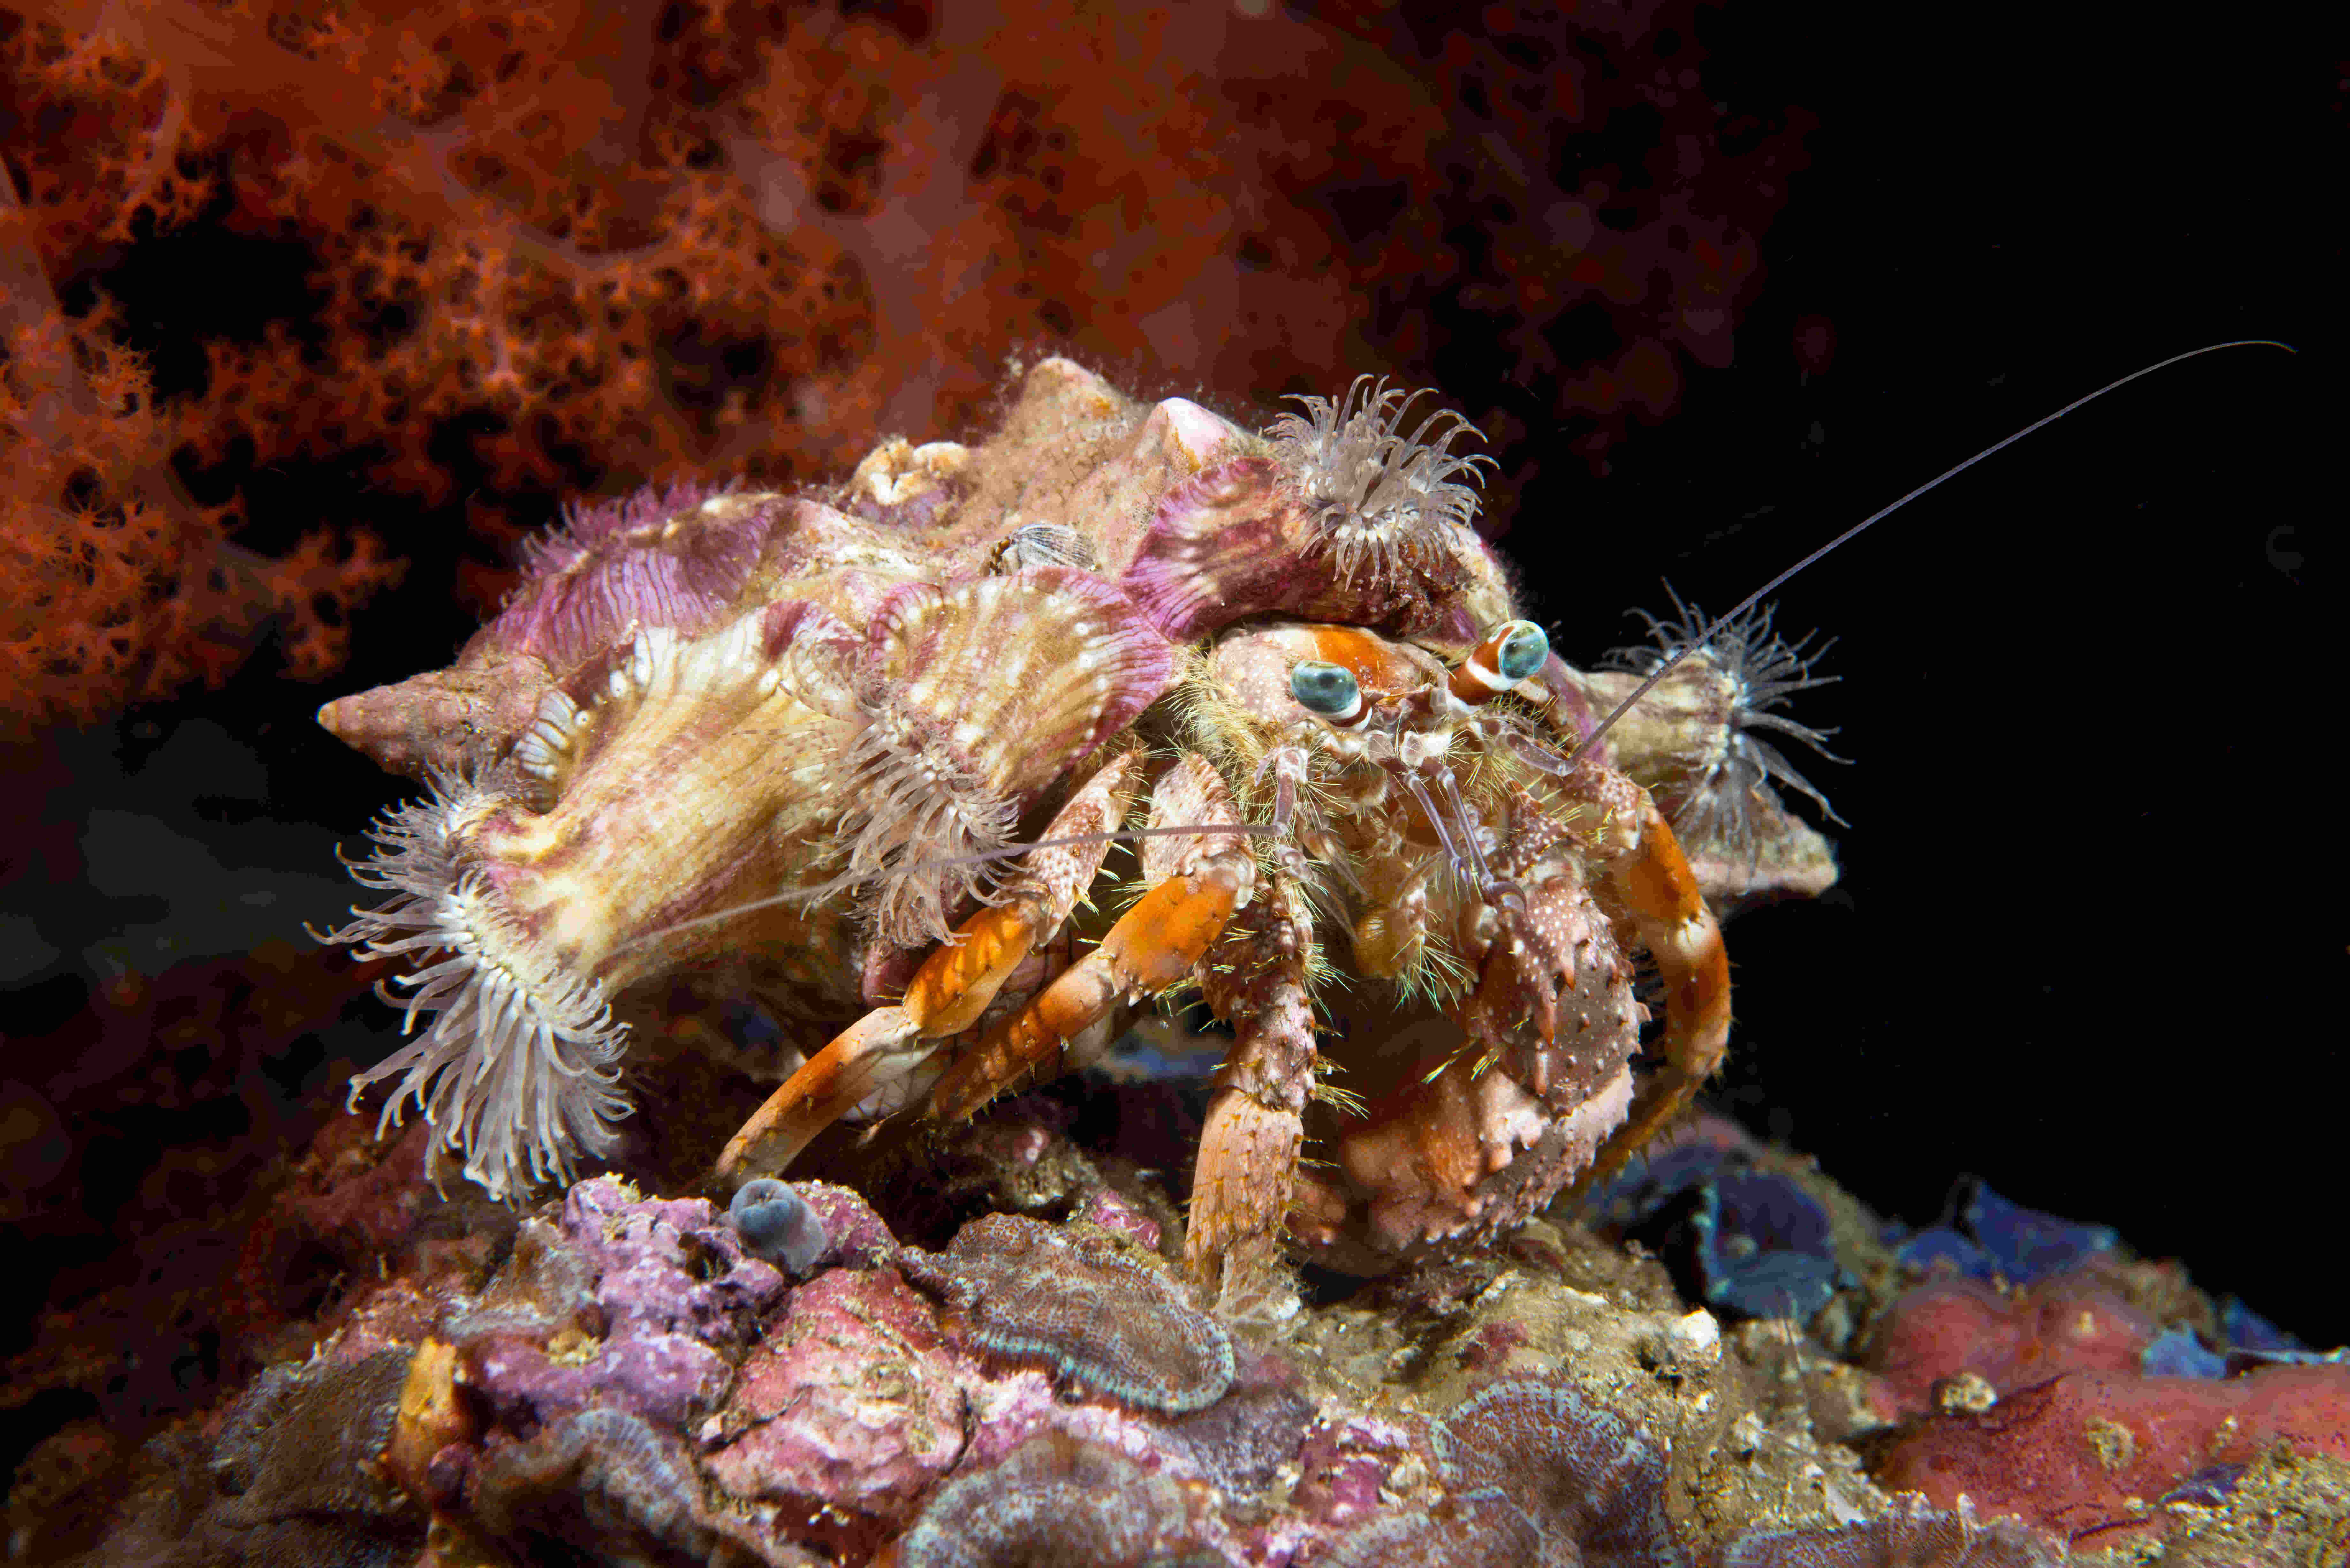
[[2085, 945]]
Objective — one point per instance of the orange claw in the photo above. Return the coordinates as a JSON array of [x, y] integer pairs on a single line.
[[946, 996], [1198, 883], [1657, 890]]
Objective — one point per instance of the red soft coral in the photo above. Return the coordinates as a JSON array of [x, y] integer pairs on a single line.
[[565, 247], [114, 584]]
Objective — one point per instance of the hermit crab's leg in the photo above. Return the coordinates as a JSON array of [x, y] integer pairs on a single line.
[[1650, 880], [1287, 844], [1258, 977], [947, 994], [1289, 766], [1197, 884]]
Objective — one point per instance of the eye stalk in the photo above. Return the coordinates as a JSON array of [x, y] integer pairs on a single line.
[[1510, 653], [1328, 689], [1522, 652]]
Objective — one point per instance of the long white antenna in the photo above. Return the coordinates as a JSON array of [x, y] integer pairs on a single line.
[[1751, 600]]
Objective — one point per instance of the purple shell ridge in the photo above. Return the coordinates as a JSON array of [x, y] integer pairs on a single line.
[[678, 558], [1236, 541], [1216, 550]]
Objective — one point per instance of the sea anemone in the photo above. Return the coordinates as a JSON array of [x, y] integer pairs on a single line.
[[1382, 499], [923, 824], [970, 699], [517, 1072], [1738, 678]]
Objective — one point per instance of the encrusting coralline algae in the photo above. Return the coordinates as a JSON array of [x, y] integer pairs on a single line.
[[628, 1383]]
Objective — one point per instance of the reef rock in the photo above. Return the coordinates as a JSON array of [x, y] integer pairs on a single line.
[[618, 1378]]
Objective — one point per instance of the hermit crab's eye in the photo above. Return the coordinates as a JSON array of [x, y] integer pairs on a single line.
[[1328, 689], [1525, 650]]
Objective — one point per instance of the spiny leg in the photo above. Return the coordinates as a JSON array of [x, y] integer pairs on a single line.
[[1197, 884], [1539, 949], [1654, 885], [947, 994], [1258, 977]]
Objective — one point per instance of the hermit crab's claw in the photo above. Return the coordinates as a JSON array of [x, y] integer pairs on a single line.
[[1543, 944], [947, 994]]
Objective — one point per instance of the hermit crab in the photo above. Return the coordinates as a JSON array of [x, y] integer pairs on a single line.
[[861, 755]]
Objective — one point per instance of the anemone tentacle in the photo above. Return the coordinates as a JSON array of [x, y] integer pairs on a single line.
[[517, 1072], [1382, 499]]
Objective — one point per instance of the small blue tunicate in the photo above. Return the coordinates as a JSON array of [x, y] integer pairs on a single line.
[[1942, 1249], [2210, 1487], [2243, 1329], [1749, 1242], [1992, 1239], [776, 1224], [2028, 1245], [2176, 1353], [1648, 1184], [1764, 1247], [2251, 1341], [1776, 1284]]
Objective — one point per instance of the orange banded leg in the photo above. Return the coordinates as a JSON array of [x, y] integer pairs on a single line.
[[1654, 885], [946, 996], [1197, 884]]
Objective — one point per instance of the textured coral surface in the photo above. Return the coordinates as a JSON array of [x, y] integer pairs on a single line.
[[1080, 1305], [615, 1380], [2087, 1453]]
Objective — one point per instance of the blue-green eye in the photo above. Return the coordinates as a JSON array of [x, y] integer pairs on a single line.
[[1325, 689], [1525, 650]]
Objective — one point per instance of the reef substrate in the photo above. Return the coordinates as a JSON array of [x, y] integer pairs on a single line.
[[1719, 1358]]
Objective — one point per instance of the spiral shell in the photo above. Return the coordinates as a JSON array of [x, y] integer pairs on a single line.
[[793, 739]]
